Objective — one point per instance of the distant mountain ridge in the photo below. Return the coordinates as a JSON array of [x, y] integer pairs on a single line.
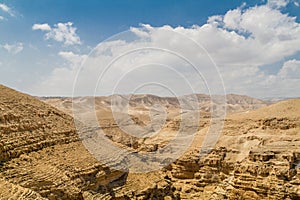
[[234, 102]]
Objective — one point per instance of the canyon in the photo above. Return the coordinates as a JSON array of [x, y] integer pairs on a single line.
[[257, 155]]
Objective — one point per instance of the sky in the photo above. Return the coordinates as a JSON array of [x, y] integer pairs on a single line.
[[65, 48]]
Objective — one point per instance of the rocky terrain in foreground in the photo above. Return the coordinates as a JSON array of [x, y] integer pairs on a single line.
[[256, 157], [41, 155]]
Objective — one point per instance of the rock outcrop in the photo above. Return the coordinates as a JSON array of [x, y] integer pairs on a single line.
[[257, 157], [41, 155]]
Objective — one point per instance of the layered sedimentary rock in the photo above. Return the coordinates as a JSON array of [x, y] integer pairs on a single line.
[[256, 157], [41, 153], [13, 191], [27, 124]]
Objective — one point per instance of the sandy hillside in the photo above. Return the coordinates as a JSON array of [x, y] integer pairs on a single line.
[[41, 154]]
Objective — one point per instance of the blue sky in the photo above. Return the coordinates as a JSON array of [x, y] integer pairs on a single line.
[[98, 20], [31, 57]]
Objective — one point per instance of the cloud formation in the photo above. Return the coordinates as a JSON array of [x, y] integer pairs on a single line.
[[42, 27], [61, 80], [277, 3], [75, 60], [13, 48], [6, 9], [290, 70], [60, 32], [239, 42], [285, 83]]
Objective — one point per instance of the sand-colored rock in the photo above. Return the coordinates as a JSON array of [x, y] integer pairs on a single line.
[[13, 191], [252, 160], [42, 155], [256, 157]]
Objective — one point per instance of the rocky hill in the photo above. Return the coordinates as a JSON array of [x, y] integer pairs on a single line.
[[41, 155]]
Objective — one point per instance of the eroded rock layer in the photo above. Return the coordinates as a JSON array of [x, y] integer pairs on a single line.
[[41, 155], [27, 124], [257, 155]]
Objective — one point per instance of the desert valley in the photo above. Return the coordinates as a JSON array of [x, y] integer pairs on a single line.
[[257, 155]]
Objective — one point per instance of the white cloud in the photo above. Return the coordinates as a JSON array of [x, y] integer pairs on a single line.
[[61, 32], [215, 20], [139, 32], [285, 83], [276, 4], [239, 43], [13, 48], [60, 82], [260, 34], [232, 19], [55, 84], [290, 70], [1, 18], [43, 27], [6, 9], [75, 59]]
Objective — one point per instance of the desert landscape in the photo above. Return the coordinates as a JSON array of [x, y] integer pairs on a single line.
[[150, 100], [42, 157]]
